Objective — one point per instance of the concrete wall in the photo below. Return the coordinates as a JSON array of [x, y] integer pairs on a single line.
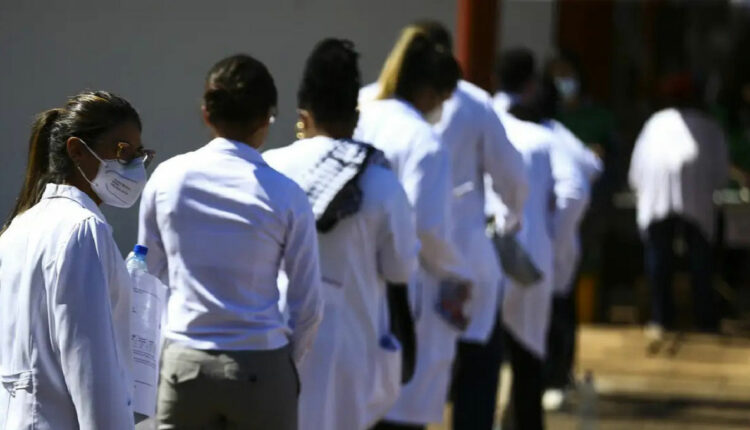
[[528, 23], [155, 53]]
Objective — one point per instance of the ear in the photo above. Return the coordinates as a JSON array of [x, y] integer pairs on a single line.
[[204, 115], [75, 149], [307, 119], [305, 124]]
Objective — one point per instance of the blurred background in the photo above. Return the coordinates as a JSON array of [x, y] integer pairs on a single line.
[[156, 54]]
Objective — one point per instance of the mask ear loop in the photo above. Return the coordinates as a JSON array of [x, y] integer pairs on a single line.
[[78, 166]]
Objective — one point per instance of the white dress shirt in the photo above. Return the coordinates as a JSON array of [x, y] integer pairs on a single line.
[[65, 356], [478, 145], [679, 160], [423, 167], [375, 245], [218, 223]]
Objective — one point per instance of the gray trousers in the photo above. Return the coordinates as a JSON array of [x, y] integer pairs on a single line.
[[227, 389]]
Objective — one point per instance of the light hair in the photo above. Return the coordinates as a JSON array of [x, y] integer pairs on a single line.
[[391, 72]]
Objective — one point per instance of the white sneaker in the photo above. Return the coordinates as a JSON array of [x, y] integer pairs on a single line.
[[553, 399], [654, 332]]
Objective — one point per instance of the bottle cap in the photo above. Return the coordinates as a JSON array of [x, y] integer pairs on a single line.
[[140, 250]]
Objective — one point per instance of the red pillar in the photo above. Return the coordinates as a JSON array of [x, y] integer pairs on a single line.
[[585, 28], [475, 44]]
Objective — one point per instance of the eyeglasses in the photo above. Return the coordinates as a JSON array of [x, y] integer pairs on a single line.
[[126, 154]]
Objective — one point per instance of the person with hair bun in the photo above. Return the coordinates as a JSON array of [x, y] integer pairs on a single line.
[[418, 76], [65, 356], [368, 248], [220, 224]]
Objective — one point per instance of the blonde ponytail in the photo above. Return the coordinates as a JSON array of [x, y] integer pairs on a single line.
[[391, 72]]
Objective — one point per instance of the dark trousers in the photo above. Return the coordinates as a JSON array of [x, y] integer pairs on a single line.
[[526, 389], [660, 265], [476, 374], [561, 342]]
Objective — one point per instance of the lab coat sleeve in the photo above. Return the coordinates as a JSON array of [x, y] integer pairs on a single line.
[[149, 234], [592, 164], [504, 165], [589, 162], [427, 182], [302, 267], [571, 198], [570, 191], [84, 331], [397, 246]]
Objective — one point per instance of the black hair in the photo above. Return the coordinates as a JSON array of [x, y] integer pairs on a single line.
[[515, 68], [330, 83], [437, 32], [415, 63], [87, 116], [239, 92], [547, 98]]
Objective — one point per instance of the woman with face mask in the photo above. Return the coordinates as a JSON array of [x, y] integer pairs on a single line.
[[418, 76], [65, 357]]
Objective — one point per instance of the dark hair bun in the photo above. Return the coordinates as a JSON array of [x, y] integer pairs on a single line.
[[331, 81], [239, 90], [515, 69], [427, 62]]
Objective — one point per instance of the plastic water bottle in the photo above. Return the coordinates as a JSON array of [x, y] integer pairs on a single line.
[[136, 260], [588, 406]]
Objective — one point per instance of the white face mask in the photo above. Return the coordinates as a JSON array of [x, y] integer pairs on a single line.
[[117, 184], [567, 87], [434, 116]]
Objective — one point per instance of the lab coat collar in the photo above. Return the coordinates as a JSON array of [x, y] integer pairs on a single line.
[[407, 108], [242, 150], [503, 101], [316, 140], [54, 191]]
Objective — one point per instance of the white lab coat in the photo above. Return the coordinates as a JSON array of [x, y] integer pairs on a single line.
[[378, 244], [478, 145], [64, 319], [526, 309], [578, 167], [422, 165], [679, 160]]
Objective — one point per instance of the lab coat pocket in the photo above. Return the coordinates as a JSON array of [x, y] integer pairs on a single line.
[[18, 400], [178, 371]]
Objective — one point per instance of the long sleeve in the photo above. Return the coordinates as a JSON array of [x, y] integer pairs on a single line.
[[398, 246], [84, 332], [504, 165], [571, 195], [590, 163], [302, 266], [149, 234], [426, 178]]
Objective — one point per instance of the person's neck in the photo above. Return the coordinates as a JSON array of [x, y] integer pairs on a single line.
[[254, 141], [333, 134]]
